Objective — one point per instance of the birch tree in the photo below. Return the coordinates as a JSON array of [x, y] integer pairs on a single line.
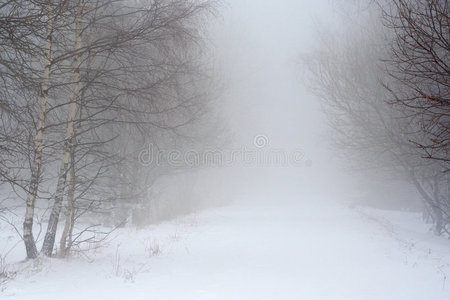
[[27, 57], [49, 239], [128, 74]]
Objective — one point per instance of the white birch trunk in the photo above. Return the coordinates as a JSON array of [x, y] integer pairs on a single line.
[[30, 244], [49, 240], [69, 207]]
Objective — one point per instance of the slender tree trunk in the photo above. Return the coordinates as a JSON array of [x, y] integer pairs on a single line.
[[432, 201], [426, 215], [49, 240], [28, 238], [66, 238], [64, 245], [437, 209], [425, 196]]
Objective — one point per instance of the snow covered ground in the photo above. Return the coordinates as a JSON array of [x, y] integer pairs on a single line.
[[286, 251]]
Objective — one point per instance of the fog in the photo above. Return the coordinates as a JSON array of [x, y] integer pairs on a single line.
[[257, 48], [259, 60], [203, 149]]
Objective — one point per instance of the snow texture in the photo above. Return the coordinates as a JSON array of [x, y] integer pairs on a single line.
[[289, 251]]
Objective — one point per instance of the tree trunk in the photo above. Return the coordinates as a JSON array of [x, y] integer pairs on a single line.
[[49, 240], [437, 208], [439, 222], [28, 238], [64, 245]]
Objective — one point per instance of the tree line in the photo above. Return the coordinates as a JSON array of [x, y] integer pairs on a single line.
[[384, 82], [84, 86]]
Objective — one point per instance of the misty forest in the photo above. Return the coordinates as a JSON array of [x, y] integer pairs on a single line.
[[225, 149]]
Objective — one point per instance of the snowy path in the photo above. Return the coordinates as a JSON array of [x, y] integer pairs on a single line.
[[242, 252]]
